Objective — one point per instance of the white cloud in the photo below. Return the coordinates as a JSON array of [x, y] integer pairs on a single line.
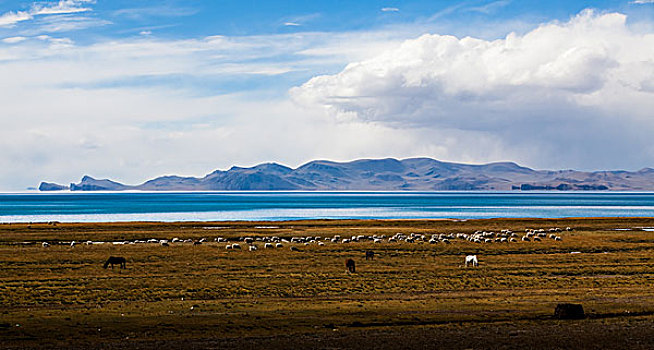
[[297, 21], [11, 18], [46, 10], [390, 9], [14, 39], [641, 2], [164, 9], [61, 7], [65, 23], [490, 7], [533, 94]]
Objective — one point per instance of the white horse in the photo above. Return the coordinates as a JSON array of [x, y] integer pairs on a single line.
[[472, 259]]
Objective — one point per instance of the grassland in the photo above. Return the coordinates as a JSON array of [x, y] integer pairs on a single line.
[[412, 295]]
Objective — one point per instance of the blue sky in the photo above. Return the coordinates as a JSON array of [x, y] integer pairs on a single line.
[[135, 89], [194, 18]]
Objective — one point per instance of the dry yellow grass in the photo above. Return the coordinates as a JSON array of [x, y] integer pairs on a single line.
[[214, 297]]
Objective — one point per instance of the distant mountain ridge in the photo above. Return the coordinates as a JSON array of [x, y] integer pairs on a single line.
[[413, 174]]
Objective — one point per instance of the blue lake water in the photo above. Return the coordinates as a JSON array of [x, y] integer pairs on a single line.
[[209, 206]]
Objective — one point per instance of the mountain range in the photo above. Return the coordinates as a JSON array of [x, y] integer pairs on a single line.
[[414, 174]]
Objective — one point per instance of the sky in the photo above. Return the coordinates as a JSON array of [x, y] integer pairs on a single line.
[[131, 90]]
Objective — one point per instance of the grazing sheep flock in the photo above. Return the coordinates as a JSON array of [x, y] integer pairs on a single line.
[[274, 242]]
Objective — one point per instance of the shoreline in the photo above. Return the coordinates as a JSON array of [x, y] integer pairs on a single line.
[[302, 220], [344, 220]]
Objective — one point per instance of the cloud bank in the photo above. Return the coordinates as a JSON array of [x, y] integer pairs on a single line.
[[564, 94], [139, 107]]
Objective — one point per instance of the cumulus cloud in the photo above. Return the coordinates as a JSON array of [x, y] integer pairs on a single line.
[[556, 82]]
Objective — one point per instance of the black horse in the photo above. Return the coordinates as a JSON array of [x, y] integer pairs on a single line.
[[349, 265], [116, 260], [370, 255]]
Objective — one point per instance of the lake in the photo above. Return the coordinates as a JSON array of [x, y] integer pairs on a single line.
[[211, 206]]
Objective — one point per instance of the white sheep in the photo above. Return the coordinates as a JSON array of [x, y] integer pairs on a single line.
[[253, 248], [236, 246], [45, 244], [268, 246]]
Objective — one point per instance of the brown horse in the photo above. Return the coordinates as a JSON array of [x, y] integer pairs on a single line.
[[370, 255], [116, 260], [349, 265]]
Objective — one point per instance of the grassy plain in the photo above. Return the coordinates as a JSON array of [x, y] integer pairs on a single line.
[[410, 296]]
